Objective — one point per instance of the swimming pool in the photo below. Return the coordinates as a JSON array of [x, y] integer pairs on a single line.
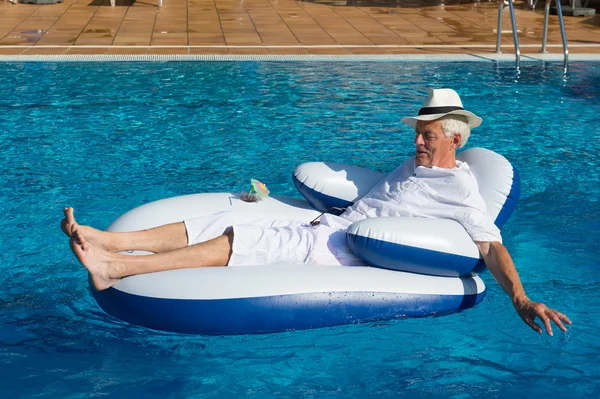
[[106, 137]]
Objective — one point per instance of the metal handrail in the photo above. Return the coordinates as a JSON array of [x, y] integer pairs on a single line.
[[514, 30], [562, 31]]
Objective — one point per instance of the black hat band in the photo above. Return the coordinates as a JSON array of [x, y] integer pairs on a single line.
[[438, 110]]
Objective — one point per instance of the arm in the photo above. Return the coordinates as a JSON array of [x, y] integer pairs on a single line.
[[500, 264]]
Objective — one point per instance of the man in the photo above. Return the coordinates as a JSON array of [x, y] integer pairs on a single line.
[[434, 184]]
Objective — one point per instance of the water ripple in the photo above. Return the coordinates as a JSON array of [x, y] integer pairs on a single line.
[[107, 137]]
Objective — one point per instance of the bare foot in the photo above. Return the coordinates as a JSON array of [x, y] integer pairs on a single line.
[[94, 236], [99, 263]]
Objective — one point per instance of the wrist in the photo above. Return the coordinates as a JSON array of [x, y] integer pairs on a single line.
[[519, 299]]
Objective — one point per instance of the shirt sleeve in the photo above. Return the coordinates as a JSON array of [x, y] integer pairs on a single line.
[[478, 224], [472, 211]]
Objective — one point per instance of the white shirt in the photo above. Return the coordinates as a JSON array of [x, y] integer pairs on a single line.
[[425, 192]]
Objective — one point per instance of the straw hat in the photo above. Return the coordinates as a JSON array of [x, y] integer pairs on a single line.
[[442, 102]]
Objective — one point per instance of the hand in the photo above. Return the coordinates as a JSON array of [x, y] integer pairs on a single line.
[[529, 310]]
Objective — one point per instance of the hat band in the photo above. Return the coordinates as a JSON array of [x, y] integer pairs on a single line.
[[438, 110]]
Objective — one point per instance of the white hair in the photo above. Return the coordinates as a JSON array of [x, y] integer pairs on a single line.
[[453, 124]]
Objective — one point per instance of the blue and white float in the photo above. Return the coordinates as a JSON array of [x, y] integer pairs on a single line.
[[416, 273]]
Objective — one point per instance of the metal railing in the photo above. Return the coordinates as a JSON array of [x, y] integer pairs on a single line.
[[562, 30], [514, 29], [544, 40]]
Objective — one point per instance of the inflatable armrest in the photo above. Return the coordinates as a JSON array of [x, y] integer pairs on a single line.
[[326, 185], [439, 247]]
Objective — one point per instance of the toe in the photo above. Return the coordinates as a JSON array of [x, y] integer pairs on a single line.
[[80, 249], [69, 215], [67, 222], [76, 234], [64, 226]]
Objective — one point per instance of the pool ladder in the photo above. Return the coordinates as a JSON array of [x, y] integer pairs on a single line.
[[514, 29]]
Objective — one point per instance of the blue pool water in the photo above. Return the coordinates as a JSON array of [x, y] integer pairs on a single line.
[[107, 137]]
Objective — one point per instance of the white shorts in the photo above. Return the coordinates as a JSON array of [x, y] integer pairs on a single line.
[[259, 241]]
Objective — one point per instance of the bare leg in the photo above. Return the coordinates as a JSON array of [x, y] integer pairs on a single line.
[[160, 239], [106, 268]]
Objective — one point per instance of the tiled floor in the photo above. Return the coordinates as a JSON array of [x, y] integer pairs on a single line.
[[279, 27]]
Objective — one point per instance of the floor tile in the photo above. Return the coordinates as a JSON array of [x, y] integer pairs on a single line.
[[273, 23]]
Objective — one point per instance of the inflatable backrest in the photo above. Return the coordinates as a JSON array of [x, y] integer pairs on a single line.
[[326, 185], [498, 181]]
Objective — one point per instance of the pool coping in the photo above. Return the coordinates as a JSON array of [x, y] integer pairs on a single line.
[[460, 57]]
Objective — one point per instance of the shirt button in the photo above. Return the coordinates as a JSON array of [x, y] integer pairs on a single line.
[[414, 174]]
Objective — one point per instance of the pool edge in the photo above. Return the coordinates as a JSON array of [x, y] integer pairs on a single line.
[[462, 57]]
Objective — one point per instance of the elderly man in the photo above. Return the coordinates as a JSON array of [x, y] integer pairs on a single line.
[[433, 184]]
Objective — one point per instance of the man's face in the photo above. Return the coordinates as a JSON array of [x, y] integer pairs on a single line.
[[432, 147]]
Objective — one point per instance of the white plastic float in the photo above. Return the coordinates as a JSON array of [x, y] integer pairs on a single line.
[[417, 274]]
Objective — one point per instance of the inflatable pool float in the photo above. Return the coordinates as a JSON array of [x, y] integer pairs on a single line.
[[413, 273]]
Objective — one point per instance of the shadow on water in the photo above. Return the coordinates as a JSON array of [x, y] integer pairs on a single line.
[[587, 88]]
